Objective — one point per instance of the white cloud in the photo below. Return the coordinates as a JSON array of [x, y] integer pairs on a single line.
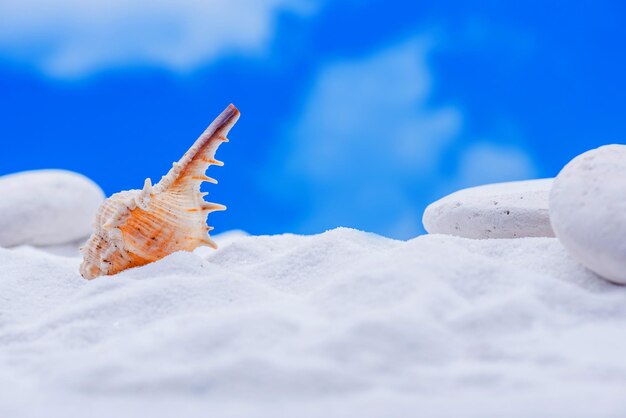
[[373, 111], [75, 37], [484, 162], [368, 147]]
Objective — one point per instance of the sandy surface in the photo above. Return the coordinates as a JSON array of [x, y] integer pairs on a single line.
[[344, 323]]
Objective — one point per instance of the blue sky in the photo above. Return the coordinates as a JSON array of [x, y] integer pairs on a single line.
[[354, 113]]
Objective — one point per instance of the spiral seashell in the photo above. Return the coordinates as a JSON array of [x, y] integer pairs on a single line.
[[137, 227]]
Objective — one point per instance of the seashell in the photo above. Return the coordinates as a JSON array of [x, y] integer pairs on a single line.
[[137, 227]]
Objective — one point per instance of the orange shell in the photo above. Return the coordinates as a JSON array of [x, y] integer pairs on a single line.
[[137, 227]]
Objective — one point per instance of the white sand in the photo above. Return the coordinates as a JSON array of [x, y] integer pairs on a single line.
[[343, 324]]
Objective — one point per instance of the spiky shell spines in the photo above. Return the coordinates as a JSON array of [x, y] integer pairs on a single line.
[[137, 227]]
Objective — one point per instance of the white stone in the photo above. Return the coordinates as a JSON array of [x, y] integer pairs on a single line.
[[588, 210], [502, 210], [46, 207]]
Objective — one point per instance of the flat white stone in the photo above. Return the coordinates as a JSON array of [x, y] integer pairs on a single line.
[[588, 210], [46, 207], [501, 210]]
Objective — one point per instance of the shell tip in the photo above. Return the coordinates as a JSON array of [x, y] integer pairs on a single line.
[[210, 243], [147, 186]]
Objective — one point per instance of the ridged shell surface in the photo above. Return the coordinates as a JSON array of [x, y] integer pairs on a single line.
[[137, 227]]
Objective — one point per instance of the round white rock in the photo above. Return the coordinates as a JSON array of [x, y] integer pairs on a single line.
[[588, 210], [502, 210], [46, 207]]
